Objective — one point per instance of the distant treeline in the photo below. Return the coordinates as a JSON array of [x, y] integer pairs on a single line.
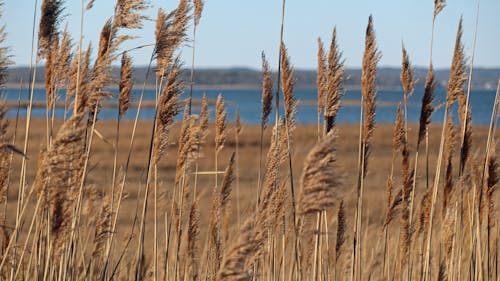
[[388, 78]]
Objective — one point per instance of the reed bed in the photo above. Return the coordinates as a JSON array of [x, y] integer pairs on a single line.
[[85, 199]]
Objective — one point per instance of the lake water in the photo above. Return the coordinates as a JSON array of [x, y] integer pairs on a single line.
[[249, 104]]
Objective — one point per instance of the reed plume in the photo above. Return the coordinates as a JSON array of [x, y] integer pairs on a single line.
[[427, 109], [407, 74], [287, 85], [449, 150], [198, 9], [438, 6], [319, 180], [267, 88], [204, 118], [466, 128], [4, 155], [170, 33], [267, 98], [4, 139], [193, 233], [168, 108], [227, 181], [234, 261], [126, 84], [371, 57], [406, 177], [341, 231], [100, 78], [458, 74], [90, 4], [399, 134], [103, 226], [491, 185], [49, 25], [321, 79], [220, 124], [127, 13], [79, 80], [4, 56], [60, 164], [334, 82]]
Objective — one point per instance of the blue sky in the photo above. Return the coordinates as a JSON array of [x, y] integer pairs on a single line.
[[232, 33]]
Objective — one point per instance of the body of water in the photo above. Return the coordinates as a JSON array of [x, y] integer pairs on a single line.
[[249, 104]]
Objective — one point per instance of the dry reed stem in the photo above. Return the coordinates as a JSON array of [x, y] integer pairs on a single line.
[[371, 57]]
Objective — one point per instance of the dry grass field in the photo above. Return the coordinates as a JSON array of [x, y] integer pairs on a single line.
[[87, 199]]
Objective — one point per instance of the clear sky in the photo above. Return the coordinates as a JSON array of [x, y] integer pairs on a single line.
[[232, 33]]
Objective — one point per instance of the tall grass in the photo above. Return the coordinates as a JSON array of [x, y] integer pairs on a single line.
[[69, 223]]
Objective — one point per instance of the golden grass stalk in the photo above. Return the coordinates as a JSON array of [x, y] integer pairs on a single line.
[[318, 184], [407, 81], [290, 105], [457, 78], [220, 131], [466, 127], [334, 82], [371, 57], [321, 81], [267, 98], [125, 87], [237, 133]]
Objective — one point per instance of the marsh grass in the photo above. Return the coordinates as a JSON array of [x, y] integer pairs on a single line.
[[90, 211]]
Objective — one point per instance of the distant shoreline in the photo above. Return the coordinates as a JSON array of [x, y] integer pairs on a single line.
[[215, 87]]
